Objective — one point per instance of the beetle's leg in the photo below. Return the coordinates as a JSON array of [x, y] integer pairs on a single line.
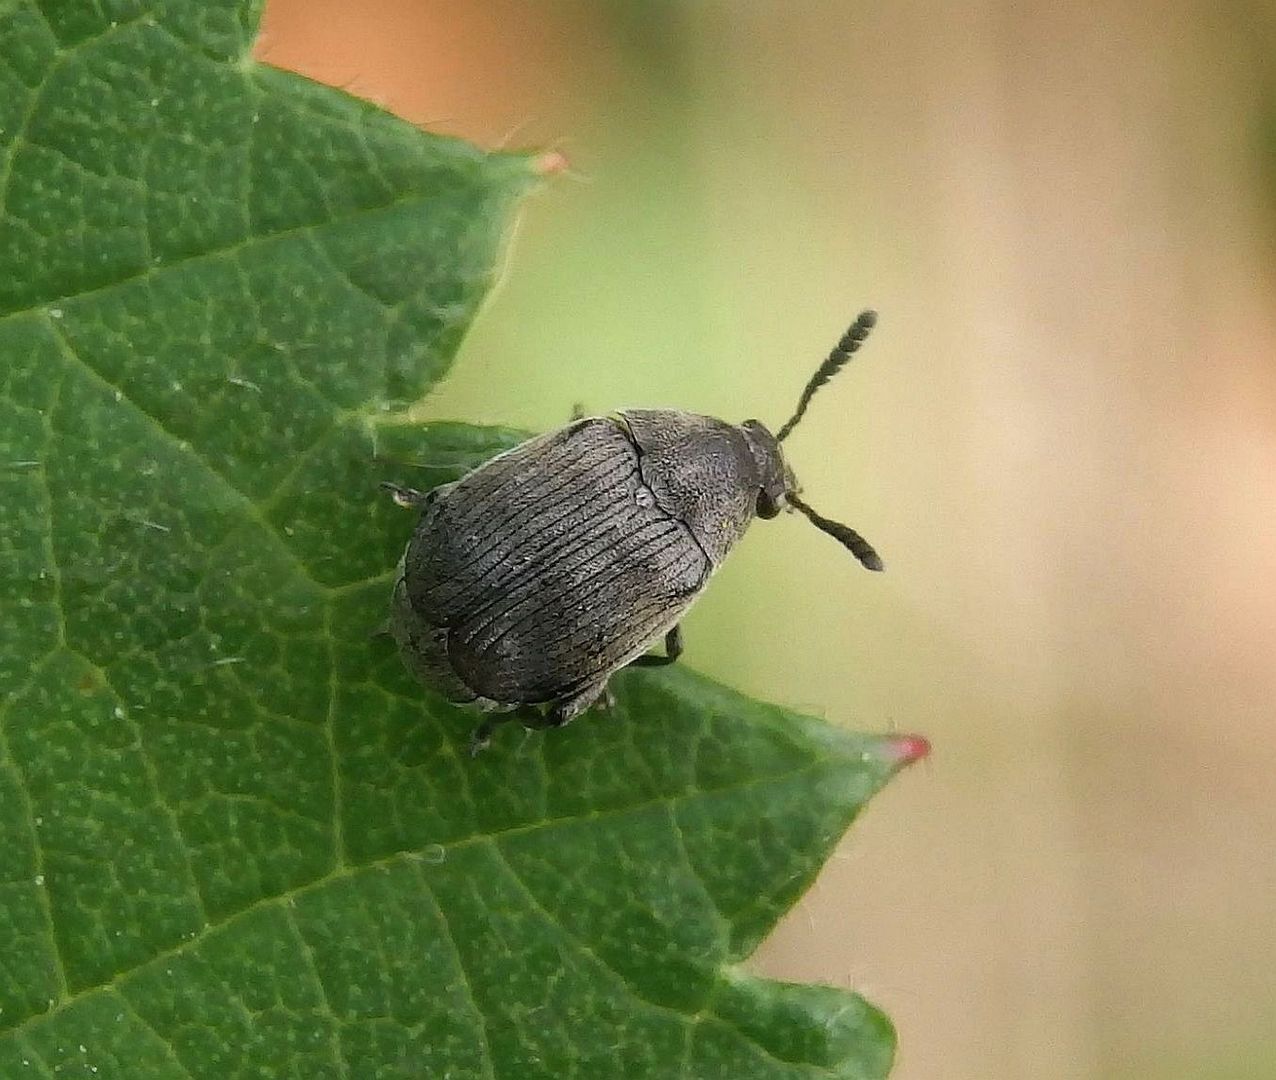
[[530, 716], [564, 711], [673, 650], [481, 738], [534, 719], [405, 496]]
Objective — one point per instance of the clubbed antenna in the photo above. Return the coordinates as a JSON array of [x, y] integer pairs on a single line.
[[842, 352], [843, 534]]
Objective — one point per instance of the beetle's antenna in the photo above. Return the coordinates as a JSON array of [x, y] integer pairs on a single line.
[[843, 534], [842, 352]]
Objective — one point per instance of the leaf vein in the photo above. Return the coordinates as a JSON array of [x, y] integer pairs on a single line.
[[450, 938], [41, 470], [313, 965], [225, 251], [287, 354], [583, 946], [395, 858], [330, 261], [31, 1054], [152, 776], [170, 1050], [330, 733], [28, 813], [55, 947], [81, 168], [724, 929], [114, 27], [691, 1018], [63, 53], [24, 123], [251, 509]]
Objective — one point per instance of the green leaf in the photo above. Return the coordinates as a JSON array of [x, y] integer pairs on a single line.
[[236, 839]]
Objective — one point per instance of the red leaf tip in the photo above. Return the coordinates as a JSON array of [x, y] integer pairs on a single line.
[[905, 749], [550, 163]]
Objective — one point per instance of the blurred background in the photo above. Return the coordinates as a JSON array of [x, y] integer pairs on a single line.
[[1061, 437]]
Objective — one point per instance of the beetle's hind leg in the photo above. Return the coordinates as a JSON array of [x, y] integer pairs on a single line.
[[566, 710], [534, 719], [673, 650], [481, 736], [560, 712]]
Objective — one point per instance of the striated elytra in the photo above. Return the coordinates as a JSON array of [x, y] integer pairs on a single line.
[[534, 578]]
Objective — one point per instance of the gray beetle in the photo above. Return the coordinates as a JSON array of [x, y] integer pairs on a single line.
[[535, 577]]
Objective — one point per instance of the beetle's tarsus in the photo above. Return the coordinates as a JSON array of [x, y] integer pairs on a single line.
[[408, 498], [530, 716], [561, 712], [481, 737], [536, 720], [673, 650]]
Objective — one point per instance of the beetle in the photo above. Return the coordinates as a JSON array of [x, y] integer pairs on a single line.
[[534, 578]]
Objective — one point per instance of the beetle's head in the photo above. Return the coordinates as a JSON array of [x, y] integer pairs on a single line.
[[774, 475], [778, 488]]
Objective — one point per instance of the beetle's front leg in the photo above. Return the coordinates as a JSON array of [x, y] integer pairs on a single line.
[[673, 650], [406, 497]]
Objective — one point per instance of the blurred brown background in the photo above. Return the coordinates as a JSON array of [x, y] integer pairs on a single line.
[[1062, 438]]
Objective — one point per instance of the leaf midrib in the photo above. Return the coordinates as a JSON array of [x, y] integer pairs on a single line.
[[410, 857], [256, 510], [352, 215]]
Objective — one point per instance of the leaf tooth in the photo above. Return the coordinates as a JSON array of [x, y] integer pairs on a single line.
[[903, 750]]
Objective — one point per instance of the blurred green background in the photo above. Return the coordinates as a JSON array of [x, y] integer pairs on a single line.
[[1062, 438]]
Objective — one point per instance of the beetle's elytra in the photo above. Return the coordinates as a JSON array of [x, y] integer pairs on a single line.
[[534, 578]]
